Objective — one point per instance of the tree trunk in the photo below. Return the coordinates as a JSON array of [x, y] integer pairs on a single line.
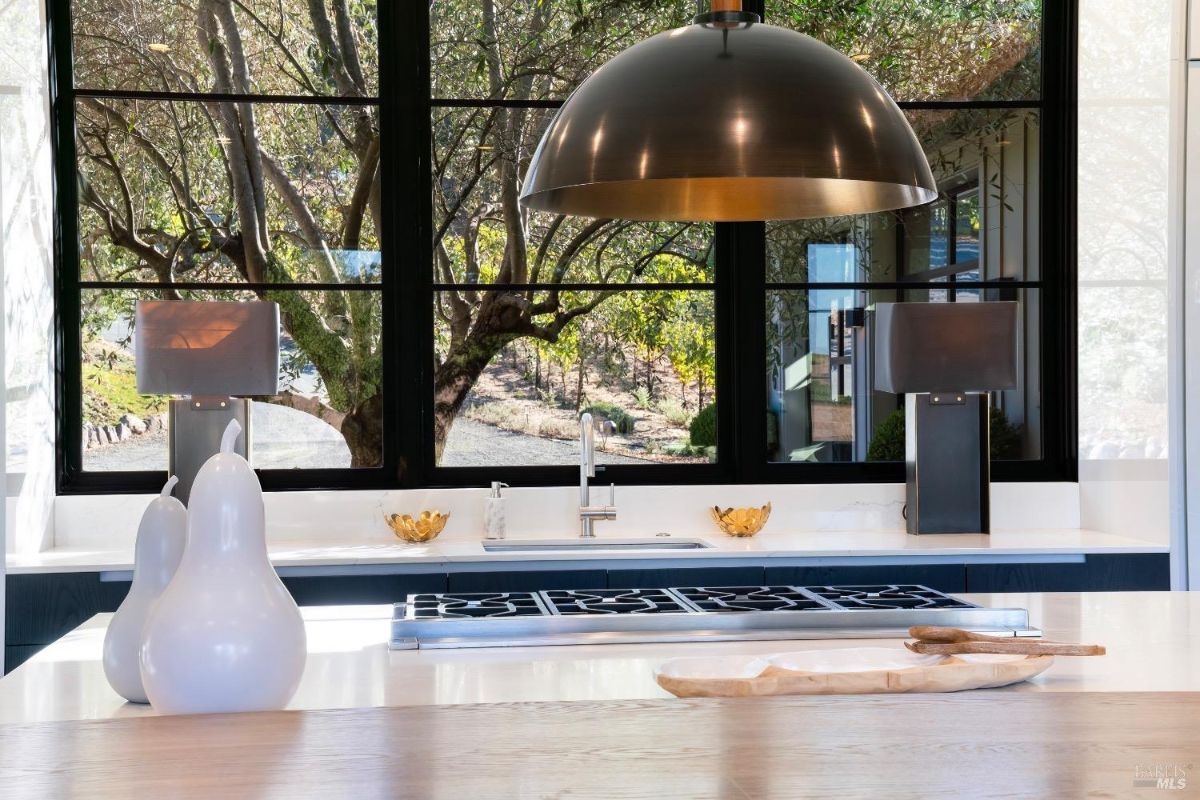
[[363, 431], [453, 382], [579, 386]]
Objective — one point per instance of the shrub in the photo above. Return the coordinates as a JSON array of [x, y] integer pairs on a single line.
[[675, 413], [613, 413], [641, 398], [1006, 437], [888, 443], [703, 430]]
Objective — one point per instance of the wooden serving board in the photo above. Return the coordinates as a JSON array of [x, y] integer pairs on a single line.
[[739, 677]]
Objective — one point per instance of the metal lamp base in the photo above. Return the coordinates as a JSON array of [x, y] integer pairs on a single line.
[[947, 462], [196, 425]]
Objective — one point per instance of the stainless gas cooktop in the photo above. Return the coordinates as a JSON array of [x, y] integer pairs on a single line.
[[694, 613]]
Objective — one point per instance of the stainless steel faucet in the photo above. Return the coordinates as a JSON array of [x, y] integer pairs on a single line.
[[588, 513]]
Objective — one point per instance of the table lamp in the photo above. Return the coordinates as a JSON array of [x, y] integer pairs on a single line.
[[945, 357], [205, 353]]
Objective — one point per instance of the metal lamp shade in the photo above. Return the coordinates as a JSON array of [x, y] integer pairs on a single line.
[[728, 119], [207, 349], [945, 347]]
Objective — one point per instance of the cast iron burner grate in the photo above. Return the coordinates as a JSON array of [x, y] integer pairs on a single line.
[[898, 596], [467, 604], [750, 598], [614, 601]]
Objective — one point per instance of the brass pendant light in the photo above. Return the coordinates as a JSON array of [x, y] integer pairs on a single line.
[[728, 119]]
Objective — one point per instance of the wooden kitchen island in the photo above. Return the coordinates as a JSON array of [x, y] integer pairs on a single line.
[[589, 721], [972, 745]]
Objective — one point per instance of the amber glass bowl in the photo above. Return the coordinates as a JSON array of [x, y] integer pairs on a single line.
[[418, 529], [741, 521]]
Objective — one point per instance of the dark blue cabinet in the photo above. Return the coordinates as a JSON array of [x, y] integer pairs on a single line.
[[41, 608], [943, 577], [336, 590], [1133, 572], [512, 581], [685, 576]]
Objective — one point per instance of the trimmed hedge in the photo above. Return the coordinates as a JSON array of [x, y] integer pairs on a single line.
[[613, 413], [888, 443], [703, 430]]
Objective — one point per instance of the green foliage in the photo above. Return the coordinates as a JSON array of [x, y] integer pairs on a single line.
[[685, 450], [110, 391], [888, 442], [641, 397], [1005, 437], [703, 430], [614, 414], [675, 413]]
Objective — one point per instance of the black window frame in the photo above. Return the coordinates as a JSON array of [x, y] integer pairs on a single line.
[[739, 288]]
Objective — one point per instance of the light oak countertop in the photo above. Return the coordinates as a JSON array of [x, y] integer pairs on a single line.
[[1153, 641], [970, 745]]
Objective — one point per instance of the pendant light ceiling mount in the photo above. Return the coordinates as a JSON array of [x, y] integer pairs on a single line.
[[728, 119]]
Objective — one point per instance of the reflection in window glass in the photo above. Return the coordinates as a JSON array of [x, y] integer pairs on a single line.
[[822, 405], [967, 149], [644, 361], [966, 226]]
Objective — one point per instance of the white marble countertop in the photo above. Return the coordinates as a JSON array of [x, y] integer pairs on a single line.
[[1153, 641], [455, 553]]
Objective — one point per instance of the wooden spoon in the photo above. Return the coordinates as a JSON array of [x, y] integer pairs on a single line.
[[1014, 647], [934, 633], [934, 640]]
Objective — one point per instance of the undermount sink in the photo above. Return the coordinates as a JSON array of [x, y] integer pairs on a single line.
[[599, 543]]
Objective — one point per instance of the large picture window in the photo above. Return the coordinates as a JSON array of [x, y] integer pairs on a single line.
[[359, 164]]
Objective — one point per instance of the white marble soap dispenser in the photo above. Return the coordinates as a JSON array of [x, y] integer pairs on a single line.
[[225, 635], [159, 546]]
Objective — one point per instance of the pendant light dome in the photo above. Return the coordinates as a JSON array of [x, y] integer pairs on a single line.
[[728, 119]]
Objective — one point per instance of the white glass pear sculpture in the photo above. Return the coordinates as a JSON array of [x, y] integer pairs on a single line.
[[225, 635], [160, 539]]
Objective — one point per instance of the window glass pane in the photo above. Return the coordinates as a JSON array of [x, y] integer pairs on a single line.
[[482, 236], [997, 225], [643, 360], [822, 405], [926, 243], [261, 47], [328, 414], [966, 226], [532, 49], [930, 50], [162, 187]]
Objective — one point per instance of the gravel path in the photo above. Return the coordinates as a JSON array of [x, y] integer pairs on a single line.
[[146, 452], [474, 444]]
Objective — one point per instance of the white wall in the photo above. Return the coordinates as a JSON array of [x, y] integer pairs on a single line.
[[27, 426], [1128, 75], [1187, 541]]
